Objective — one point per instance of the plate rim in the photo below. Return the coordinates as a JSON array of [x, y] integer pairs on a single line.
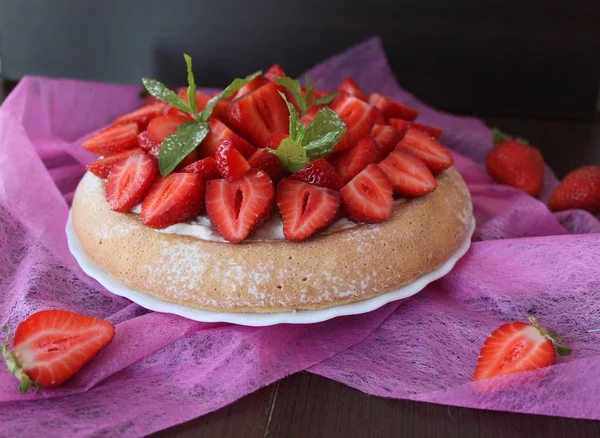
[[150, 302]]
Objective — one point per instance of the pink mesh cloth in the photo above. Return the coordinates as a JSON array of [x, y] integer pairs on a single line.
[[162, 369]]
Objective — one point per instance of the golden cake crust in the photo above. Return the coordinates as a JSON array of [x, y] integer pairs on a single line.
[[273, 276]]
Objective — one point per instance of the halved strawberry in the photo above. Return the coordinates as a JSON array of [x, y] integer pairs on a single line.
[[163, 126], [350, 163], [276, 139], [391, 108], [231, 164], [274, 72], [258, 114], [400, 125], [386, 137], [265, 160], [206, 168], [101, 168], [52, 345], [142, 115], [428, 149], [350, 87], [516, 347], [359, 117], [145, 141], [305, 208], [319, 173], [431, 130], [379, 118], [254, 84], [368, 197], [129, 181], [238, 207], [173, 199], [409, 175], [217, 134], [114, 139]]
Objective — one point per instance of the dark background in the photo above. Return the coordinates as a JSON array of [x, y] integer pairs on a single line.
[[504, 57]]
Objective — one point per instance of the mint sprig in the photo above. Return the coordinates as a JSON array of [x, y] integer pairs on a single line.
[[303, 101], [190, 134], [308, 144]]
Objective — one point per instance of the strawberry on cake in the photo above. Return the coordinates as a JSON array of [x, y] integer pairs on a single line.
[[269, 196]]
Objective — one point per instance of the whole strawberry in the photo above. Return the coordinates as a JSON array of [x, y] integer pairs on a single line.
[[513, 162], [579, 189]]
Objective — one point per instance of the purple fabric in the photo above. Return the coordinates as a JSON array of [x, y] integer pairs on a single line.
[[162, 369]]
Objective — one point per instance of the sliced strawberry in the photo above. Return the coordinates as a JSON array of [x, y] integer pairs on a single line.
[[217, 134], [254, 84], [206, 168], [238, 207], [400, 125], [359, 117], [52, 345], [231, 164], [409, 175], [428, 149], [265, 160], [305, 208], [145, 141], [350, 87], [113, 139], [259, 114], [350, 163], [274, 72], [173, 199], [368, 197], [431, 130], [319, 173], [101, 168], [220, 111], [163, 126], [379, 118], [276, 139], [142, 115], [307, 118], [392, 109], [129, 181], [516, 347], [386, 137]]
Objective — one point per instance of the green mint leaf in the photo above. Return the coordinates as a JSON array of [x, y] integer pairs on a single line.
[[191, 91], [291, 154], [177, 146], [297, 130], [227, 92], [162, 93], [296, 90], [324, 100], [324, 132]]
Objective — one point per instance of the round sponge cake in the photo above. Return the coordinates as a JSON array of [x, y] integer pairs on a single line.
[[329, 269]]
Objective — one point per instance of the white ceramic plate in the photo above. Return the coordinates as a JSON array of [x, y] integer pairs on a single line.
[[117, 287]]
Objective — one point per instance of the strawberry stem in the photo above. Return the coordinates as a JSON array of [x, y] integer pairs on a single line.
[[13, 366], [500, 137], [551, 336]]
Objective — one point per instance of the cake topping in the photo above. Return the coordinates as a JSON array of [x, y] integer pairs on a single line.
[[260, 136]]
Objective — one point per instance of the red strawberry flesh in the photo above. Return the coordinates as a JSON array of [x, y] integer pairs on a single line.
[[409, 175], [368, 197], [175, 198], [113, 140], [238, 207], [129, 181], [305, 208], [319, 173]]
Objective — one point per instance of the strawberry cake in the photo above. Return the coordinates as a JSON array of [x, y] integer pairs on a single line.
[[269, 196]]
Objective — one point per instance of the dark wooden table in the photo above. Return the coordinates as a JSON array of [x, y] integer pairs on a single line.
[[306, 405]]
